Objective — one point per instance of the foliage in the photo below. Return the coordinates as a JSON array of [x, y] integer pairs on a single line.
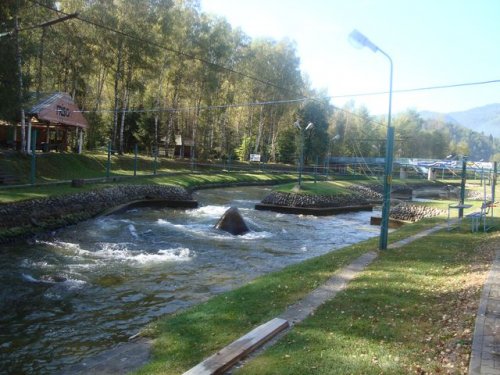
[[410, 312], [145, 71]]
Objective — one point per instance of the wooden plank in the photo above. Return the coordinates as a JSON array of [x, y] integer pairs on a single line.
[[226, 357]]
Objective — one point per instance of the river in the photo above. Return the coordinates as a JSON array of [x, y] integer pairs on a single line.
[[124, 270]]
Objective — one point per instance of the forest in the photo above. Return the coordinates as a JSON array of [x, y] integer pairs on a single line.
[[144, 71]]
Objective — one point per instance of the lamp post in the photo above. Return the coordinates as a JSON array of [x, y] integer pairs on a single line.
[[360, 40], [301, 161]]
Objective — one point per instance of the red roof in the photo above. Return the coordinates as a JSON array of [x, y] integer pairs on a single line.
[[58, 108]]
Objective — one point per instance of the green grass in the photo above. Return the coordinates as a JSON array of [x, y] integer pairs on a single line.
[[381, 324], [339, 185], [186, 338], [404, 314], [187, 180], [52, 167], [319, 188]]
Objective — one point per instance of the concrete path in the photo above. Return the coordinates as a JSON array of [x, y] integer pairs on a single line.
[[485, 356]]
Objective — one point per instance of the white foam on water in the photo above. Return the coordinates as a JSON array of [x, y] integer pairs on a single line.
[[198, 230], [60, 290], [168, 255], [163, 222], [107, 223], [120, 252], [68, 284], [133, 231], [256, 235], [28, 263], [208, 211], [30, 278]]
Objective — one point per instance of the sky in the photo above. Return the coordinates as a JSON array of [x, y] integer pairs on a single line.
[[431, 43]]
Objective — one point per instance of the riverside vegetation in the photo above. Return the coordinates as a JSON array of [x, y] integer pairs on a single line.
[[411, 311]]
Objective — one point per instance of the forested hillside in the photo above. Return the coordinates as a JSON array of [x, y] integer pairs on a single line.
[[144, 71]]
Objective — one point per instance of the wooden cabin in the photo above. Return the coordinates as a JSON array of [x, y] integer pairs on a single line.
[[53, 120]]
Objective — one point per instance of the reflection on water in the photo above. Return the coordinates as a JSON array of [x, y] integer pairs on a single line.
[[97, 283]]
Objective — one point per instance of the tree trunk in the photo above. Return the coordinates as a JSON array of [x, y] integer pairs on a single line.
[[126, 95], [117, 80], [274, 135], [40, 63], [259, 133], [122, 120], [100, 86], [20, 81]]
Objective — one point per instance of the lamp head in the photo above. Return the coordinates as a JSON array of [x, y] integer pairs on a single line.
[[336, 137], [358, 40], [309, 126]]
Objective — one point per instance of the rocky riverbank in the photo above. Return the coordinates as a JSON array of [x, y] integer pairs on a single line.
[[360, 195], [25, 218], [278, 198], [411, 212]]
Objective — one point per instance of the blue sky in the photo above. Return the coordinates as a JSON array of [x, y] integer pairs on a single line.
[[432, 42]]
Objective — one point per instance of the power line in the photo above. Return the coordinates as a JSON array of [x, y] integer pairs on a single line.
[[187, 109], [428, 88]]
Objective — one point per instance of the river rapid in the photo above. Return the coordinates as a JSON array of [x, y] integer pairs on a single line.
[[93, 285]]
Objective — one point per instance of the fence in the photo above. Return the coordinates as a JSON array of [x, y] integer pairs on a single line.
[[108, 165]]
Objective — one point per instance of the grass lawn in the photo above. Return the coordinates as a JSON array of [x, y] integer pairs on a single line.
[[187, 180], [411, 311]]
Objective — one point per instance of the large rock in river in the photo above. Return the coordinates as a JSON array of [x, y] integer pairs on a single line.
[[232, 222]]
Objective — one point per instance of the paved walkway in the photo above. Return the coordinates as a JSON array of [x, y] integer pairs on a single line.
[[485, 356]]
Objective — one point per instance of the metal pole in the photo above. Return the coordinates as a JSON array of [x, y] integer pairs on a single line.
[[301, 161], [33, 158], [494, 182], [108, 164], [462, 187], [386, 205], [154, 160], [192, 159], [328, 167], [135, 160], [316, 169]]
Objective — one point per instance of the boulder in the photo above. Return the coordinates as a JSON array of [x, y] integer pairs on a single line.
[[232, 222]]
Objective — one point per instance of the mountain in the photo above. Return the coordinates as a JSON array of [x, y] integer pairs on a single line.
[[485, 119]]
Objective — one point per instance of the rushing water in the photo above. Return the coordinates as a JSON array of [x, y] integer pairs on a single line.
[[124, 270]]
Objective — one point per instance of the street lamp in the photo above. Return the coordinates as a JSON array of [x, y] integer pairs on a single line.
[[359, 40], [301, 161]]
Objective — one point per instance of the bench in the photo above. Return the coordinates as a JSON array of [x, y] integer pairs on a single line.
[[478, 216]]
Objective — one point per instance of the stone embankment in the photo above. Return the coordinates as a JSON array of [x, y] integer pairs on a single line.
[[313, 201], [411, 212], [26, 218], [360, 196]]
